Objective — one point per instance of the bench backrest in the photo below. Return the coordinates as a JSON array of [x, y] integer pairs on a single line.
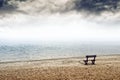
[[90, 56]]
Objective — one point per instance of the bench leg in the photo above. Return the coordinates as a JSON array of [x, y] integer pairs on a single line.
[[86, 63], [93, 62]]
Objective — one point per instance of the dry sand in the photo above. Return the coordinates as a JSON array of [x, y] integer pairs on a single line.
[[106, 68]]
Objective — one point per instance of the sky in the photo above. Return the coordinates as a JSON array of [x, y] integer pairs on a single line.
[[64, 20]]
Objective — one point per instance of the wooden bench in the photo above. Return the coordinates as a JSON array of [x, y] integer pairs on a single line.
[[87, 59]]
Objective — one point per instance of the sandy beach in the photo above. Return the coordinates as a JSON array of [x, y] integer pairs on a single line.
[[106, 68]]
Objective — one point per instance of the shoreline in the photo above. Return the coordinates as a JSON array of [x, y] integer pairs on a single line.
[[19, 61], [56, 61]]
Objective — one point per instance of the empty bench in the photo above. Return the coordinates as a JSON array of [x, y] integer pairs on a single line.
[[90, 58]]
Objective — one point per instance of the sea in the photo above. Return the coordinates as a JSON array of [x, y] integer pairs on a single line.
[[23, 52]]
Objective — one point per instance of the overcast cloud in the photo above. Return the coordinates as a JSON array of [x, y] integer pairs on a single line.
[[60, 20], [89, 7]]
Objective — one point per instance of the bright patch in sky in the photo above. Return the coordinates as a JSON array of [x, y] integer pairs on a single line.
[[56, 28]]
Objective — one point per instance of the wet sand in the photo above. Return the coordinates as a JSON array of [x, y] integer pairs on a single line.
[[106, 68]]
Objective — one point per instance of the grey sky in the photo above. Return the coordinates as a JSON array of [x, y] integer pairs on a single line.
[[64, 20]]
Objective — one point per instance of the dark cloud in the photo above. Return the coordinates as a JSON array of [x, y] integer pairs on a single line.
[[97, 6], [8, 7], [1, 3], [53, 6], [33, 6]]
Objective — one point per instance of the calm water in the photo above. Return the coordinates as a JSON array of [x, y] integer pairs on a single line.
[[48, 51]]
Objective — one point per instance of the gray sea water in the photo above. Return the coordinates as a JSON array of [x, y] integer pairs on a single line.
[[47, 51]]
